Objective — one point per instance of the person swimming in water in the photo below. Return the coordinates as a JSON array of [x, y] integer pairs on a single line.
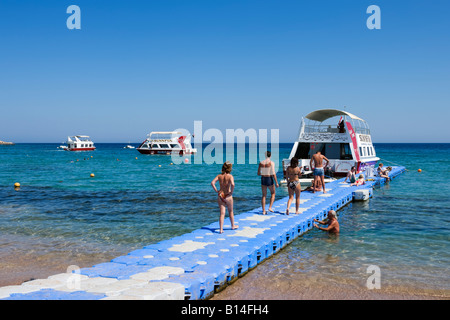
[[293, 173], [225, 194], [333, 224]]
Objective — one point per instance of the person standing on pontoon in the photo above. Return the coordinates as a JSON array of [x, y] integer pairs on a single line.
[[293, 173], [225, 194], [266, 170], [319, 168]]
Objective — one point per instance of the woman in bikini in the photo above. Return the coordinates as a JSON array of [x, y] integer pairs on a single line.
[[293, 174], [266, 170], [359, 182], [225, 194]]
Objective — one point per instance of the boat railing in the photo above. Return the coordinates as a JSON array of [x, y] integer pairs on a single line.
[[331, 129]]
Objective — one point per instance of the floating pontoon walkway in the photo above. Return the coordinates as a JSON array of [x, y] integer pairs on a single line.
[[198, 264]]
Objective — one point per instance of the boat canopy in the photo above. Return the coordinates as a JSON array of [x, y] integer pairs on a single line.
[[80, 138], [168, 135], [165, 132], [324, 114], [324, 121]]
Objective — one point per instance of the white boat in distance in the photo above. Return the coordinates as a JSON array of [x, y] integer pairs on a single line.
[[167, 142], [340, 136], [78, 143]]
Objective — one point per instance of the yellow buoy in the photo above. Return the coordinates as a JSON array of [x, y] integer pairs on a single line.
[[159, 165], [92, 175], [16, 185], [136, 158]]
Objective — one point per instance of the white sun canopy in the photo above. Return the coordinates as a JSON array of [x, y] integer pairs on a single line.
[[324, 114]]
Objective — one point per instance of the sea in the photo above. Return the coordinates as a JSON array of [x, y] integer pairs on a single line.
[[62, 216]]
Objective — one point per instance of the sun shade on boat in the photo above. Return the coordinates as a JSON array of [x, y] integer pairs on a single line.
[[324, 114]]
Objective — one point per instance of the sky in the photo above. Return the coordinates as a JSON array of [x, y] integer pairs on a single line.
[[158, 65]]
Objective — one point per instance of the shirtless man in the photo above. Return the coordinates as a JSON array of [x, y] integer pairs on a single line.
[[333, 224], [266, 170], [319, 172], [225, 194]]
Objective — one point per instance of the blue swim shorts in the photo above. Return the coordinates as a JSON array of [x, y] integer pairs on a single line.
[[319, 172], [267, 181]]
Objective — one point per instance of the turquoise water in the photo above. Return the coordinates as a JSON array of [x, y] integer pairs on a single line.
[[60, 211]]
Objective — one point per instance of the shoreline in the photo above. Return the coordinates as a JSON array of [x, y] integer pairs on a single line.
[[255, 287]]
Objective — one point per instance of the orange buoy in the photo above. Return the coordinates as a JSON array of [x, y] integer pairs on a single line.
[[420, 170], [92, 175]]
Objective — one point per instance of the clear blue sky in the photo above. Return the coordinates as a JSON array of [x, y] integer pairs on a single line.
[[138, 66]]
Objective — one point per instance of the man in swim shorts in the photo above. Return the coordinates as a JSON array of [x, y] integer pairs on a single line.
[[266, 170], [318, 159]]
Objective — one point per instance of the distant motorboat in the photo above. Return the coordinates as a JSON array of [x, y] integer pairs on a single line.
[[166, 142], [78, 143], [129, 147]]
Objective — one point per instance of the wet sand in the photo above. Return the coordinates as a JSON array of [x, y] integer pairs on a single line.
[[260, 284]]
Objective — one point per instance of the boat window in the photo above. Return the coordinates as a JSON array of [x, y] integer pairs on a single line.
[[164, 146], [332, 150], [303, 151], [174, 146], [155, 146], [340, 151], [346, 152]]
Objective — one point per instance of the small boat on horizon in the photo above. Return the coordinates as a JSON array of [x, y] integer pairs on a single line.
[[342, 137], [78, 143], [167, 142]]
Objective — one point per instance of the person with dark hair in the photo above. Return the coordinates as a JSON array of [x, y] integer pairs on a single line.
[[225, 194], [319, 174], [293, 173], [266, 170], [351, 175], [383, 173]]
